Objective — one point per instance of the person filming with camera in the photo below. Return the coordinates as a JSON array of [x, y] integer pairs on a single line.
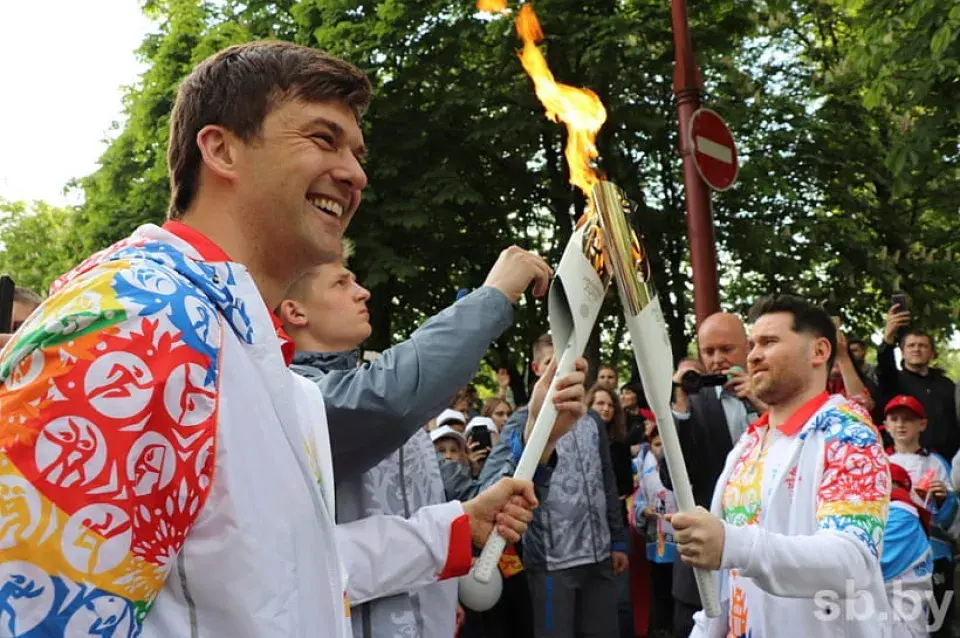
[[712, 406]]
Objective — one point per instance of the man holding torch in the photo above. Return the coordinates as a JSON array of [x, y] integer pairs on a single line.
[[162, 471], [797, 517]]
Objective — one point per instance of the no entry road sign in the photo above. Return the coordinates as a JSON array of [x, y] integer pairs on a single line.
[[714, 153]]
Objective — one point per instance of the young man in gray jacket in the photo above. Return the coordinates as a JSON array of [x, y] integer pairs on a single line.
[[577, 541], [325, 314]]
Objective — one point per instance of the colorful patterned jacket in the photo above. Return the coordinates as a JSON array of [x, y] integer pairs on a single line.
[[163, 473], [820, 533]]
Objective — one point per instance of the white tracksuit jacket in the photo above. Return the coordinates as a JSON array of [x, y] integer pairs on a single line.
[[164, 474], [819, 535]]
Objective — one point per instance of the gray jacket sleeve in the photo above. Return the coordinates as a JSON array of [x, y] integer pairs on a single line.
[[618, 532], [374, 409], [457, 482]]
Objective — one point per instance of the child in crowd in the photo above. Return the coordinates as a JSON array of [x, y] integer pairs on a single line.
[[905, 419], [907, 559], [449, 443], [651, 504]]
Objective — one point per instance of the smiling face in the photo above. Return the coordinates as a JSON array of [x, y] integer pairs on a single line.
[[300, 180]]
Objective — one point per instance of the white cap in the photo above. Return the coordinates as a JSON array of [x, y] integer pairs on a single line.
[[479, 422], [451, 415], [445, 431]]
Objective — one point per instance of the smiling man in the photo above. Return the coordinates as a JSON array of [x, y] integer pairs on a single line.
[[163, 471], [797, 517]]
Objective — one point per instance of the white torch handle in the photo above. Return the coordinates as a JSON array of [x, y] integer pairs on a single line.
[[532, 451], [651, 347]]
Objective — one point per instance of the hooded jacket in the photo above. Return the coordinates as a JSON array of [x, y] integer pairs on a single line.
[[391, 398], [165, 474], [580, 519]]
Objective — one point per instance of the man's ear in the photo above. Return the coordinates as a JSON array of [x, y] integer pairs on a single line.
[[821, 351], [219, 150], [923, 425], [291, 313]]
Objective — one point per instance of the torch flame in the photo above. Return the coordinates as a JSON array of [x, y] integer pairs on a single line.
[[579, 109], [492, 6]]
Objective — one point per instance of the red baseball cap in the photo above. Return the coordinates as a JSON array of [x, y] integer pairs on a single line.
[[901, 476], [905, 401], [647, 414]]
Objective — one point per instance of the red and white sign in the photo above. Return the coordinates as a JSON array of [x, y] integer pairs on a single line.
[[714, 153]]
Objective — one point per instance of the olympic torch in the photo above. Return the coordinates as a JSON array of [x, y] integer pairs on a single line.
[[576, 294], [630, 266]]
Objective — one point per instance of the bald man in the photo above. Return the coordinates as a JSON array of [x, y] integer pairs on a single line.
[[709, 423]]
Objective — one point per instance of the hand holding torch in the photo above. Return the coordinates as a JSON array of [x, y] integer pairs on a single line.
[[576, 295]]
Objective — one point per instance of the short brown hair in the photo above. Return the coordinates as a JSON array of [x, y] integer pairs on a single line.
[[490, 406], [238, 87], [299, 290]]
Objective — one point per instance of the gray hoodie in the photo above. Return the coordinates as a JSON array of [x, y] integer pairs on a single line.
[[384, 460], [579, 520]]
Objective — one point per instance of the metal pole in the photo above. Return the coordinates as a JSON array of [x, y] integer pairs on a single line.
[[687, 85]]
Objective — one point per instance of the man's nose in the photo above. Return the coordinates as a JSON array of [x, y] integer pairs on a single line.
[[350, 171]]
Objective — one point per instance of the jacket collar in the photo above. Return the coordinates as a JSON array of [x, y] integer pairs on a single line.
[[893, 450], [215, 280], [796, 421], [211, 252], [327, 361]]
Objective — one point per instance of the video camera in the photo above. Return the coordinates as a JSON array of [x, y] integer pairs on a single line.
[[692, 381]]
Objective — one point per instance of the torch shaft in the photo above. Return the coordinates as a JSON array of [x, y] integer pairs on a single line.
[[532, 451], [648, 334]]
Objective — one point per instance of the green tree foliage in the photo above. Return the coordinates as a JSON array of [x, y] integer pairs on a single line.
[[851, 223], [39, 243], [846, 130]]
